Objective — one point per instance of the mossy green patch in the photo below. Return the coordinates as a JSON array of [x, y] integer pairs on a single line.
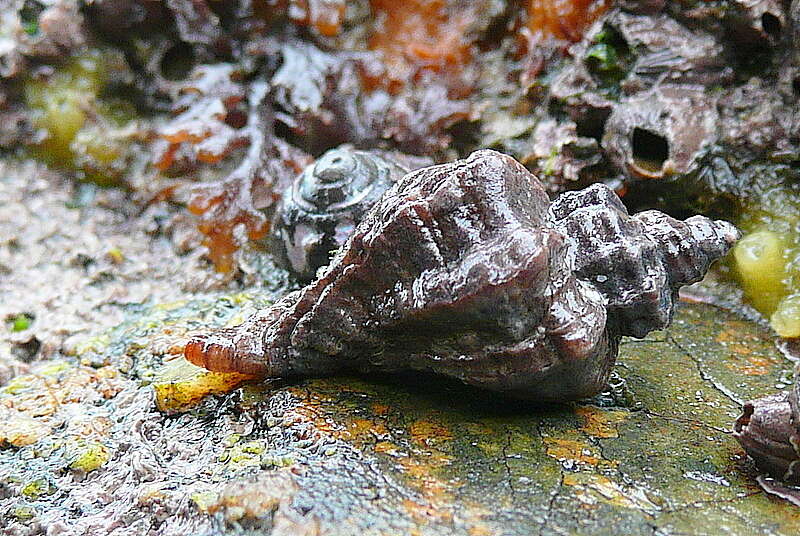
[[767, 258], [20, 322], [204, 499], [83, 128], [86, 455], [37, 488], [24, 512]]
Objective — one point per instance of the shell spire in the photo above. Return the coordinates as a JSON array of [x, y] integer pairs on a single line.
[[637, 262], [466, 269]]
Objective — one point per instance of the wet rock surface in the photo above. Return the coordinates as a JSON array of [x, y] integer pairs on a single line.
[[86, 449], [348, 455]]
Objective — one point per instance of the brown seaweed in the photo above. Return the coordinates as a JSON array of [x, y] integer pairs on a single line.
[[466, 269], [328, 98]]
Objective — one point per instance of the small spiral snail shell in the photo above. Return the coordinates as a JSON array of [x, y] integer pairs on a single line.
[[325, 203]]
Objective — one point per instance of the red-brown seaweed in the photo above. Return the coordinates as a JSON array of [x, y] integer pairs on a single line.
[[466, 269]]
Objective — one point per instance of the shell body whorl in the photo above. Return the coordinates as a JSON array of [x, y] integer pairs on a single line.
[[466, 269]]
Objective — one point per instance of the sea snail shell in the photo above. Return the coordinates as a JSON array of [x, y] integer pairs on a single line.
[[468, 270]]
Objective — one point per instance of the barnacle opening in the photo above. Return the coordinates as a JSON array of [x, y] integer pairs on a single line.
[[650, 152], [177, 62], [771, 25]]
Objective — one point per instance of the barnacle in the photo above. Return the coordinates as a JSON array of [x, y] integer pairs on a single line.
[[466, 269], [754, 22], [661, 133], [319, 211]]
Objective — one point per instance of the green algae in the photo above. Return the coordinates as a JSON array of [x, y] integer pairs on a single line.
[[244, 454], [767, 258], [37, 487], [84, 129], [20, 322], [24, 513], [87, 456]]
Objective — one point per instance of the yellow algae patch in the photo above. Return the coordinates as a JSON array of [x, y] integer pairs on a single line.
[[87, 456], [735, 331], [204, 500], [53, 385], [593, 487], [380, 409], [179, 385], [424, 513], [421, 471], [309, 410], [20, 430], [755, 366], [363, 431], [243, 454], [570, 449], [429, 433], [389, 448], [599, 422], [36, 488]]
